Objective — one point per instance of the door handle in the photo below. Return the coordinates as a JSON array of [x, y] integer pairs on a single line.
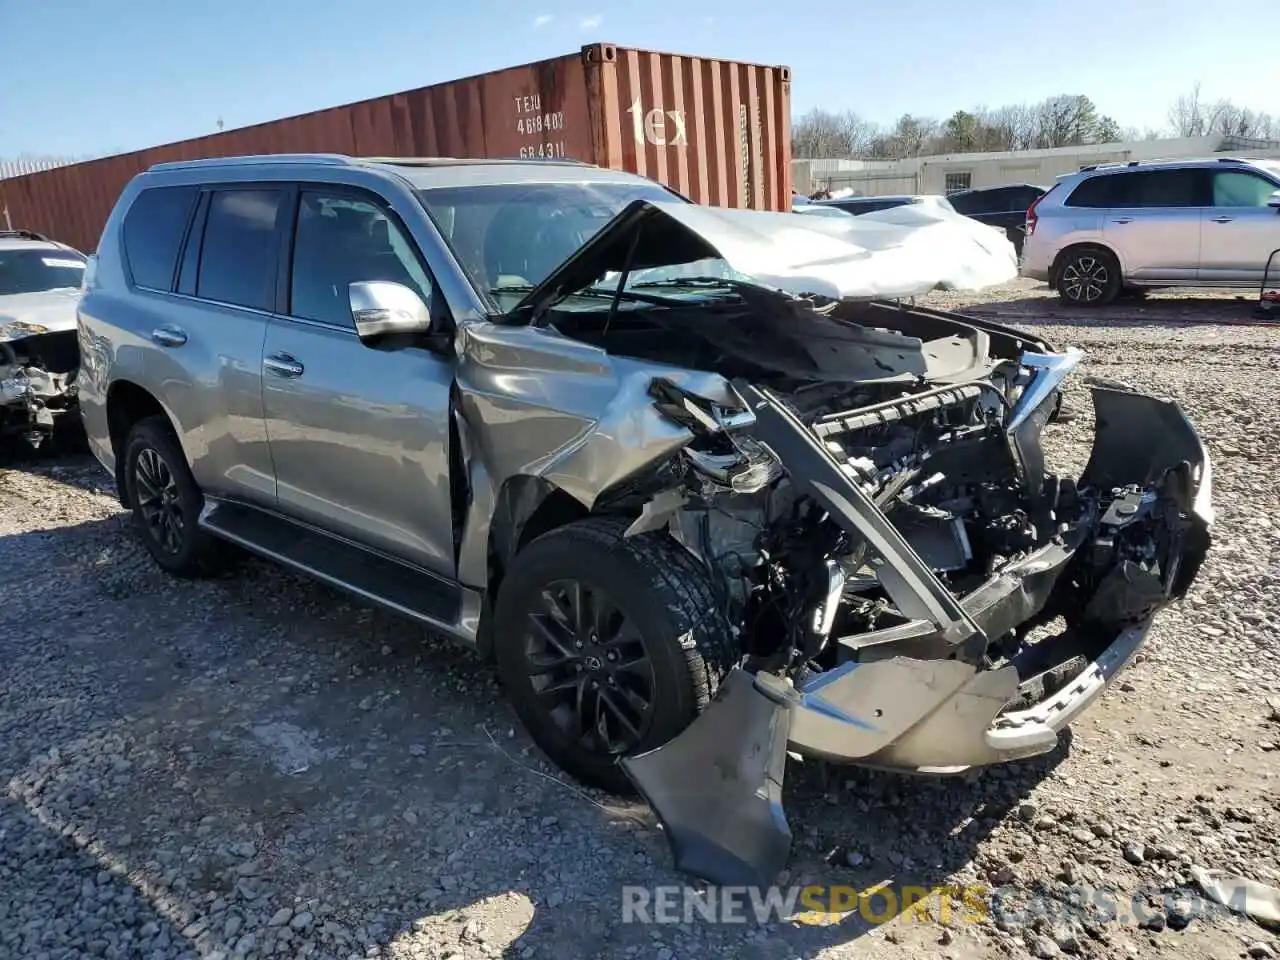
[[168, 336], [283, 365], [1123, 220], [1223, 219]]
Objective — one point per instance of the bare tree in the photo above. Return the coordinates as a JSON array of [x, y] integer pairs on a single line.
[[821, 133], [1012, 127], [1193, 116], [1189, 114], [1061, 121], [1142, 133], [1233, 121]]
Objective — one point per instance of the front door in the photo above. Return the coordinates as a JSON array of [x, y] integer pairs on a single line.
[[1153, 223], [1240, 231], [359, 435]]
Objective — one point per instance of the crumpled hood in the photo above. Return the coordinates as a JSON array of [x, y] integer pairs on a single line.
[[29, 314], [901, 252]]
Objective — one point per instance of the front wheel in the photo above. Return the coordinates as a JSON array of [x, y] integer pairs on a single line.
[[607, 645], [1089, 277]]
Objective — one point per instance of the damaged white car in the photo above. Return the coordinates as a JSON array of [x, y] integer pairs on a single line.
[[39, 286], [699, 480]]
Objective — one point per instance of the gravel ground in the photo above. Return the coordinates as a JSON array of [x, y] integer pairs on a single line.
[[255, 766]]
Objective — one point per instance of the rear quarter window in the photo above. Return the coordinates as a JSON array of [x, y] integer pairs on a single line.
[[153, 232], [1093, 192]]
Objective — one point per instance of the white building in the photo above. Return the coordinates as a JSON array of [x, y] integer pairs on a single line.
[[948, 173]]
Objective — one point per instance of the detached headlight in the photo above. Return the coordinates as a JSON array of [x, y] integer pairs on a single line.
[[751, 466], [719, 451]]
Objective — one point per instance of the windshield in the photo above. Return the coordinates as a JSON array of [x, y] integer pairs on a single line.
[[34, 271], [510, 237]]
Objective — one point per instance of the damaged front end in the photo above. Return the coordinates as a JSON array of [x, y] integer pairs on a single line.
[[37, 379], [909, 583], [920, 592]]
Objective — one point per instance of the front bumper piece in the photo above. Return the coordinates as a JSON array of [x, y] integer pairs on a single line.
[[717, 787]]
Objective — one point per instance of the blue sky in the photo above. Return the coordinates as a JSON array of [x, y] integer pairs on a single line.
[[93, 76]]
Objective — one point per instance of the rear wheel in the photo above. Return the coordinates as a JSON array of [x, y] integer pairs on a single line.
[[1089, 277], [166, 501], [607, 645]]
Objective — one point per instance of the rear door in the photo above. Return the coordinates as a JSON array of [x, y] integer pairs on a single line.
[[1153, 223], [1240, 231], [205, 347]]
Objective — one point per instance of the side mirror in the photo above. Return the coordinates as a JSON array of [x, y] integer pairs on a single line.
[[381, 308], [1273, 201]]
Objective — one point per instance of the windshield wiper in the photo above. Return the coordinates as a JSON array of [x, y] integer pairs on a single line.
[[594, 292], [723, 283]]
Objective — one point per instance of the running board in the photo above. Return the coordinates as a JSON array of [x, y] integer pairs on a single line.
[[398, 586]]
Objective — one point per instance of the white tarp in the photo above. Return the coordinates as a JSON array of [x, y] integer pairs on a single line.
[[900, 252]]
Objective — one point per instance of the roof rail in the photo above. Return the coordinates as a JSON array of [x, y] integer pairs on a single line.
[[324, 159], [460, 161], [342, 160], [23, 235]]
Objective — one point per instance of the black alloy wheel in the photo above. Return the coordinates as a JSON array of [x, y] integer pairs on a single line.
[[607, 645], [166, 502], [590, 667], [158, 500]]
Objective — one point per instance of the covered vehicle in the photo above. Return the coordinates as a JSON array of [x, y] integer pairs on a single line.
[[39, 286]]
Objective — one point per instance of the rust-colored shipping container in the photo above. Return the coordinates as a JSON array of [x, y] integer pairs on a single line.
[[716, 131]]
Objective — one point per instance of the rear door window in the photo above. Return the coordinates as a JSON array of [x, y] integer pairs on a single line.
[[996, 201], [239, 249], [153, 232], [1159, 188]]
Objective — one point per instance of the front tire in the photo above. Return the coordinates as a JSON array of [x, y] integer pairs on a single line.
[[166, 502], [607, 645], [1089, 277]]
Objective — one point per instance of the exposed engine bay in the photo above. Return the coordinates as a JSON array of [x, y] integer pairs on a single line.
[[37, 379], [943, 469], [940, 433]]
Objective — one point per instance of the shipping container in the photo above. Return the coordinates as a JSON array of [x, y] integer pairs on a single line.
[[716, 131]]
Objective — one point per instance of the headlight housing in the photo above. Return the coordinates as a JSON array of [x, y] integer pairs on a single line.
[[720, 450]]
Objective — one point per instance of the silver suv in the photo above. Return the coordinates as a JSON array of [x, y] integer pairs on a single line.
[[1111, 228], [703, 498]]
